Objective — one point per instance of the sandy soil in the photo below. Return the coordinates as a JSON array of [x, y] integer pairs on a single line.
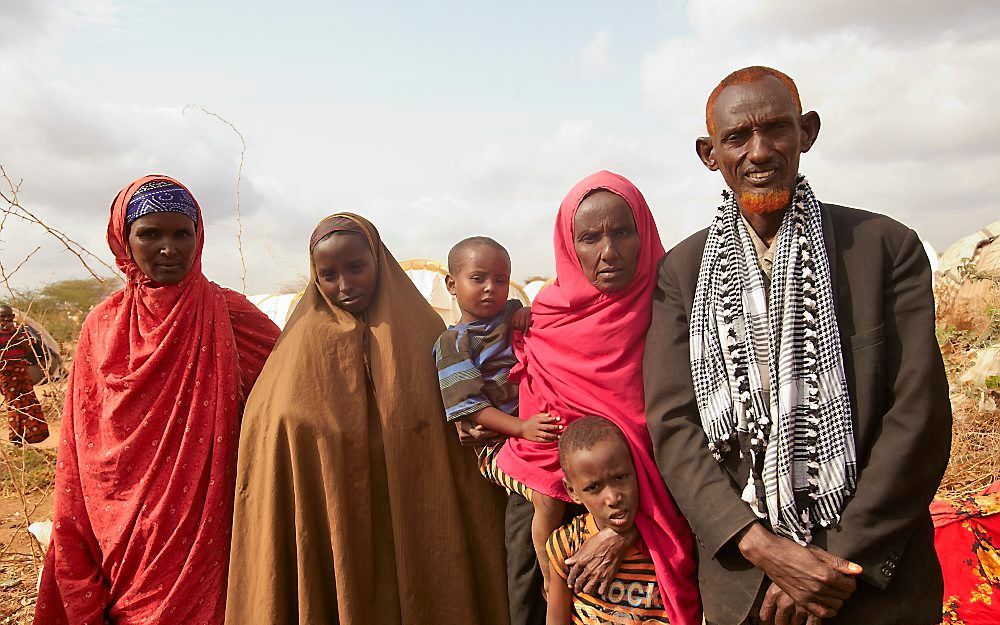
[[20, 554]]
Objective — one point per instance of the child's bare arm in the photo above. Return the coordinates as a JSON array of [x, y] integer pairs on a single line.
[[540, 428], [497, 421], [560, 606]]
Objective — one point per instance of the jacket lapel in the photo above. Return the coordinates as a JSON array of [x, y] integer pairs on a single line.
[[831, 250]]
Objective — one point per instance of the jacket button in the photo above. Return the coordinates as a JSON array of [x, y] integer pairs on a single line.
[[887, 571]]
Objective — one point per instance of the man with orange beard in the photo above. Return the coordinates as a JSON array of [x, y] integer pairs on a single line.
[[795, 392]]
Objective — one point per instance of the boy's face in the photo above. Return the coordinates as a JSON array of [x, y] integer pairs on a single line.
[[481, 283], [602, 478], [346, 271]]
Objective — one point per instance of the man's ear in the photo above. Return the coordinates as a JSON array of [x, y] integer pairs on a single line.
[[572, 493], [706, 152], [449, 283], [809, 123]]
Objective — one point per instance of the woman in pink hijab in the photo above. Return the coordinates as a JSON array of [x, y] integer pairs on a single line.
[[583, 356]]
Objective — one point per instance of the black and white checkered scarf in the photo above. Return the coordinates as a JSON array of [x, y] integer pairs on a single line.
[[780, 389]]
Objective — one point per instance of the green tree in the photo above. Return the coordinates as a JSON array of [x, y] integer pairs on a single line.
[[62, 306]]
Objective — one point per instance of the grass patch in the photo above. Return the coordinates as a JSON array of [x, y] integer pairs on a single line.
[[34, 469]]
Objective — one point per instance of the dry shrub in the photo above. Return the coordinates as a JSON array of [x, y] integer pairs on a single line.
[[966, 325], [975, 461]]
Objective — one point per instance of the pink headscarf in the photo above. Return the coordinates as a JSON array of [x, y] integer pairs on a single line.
[[583, 356]]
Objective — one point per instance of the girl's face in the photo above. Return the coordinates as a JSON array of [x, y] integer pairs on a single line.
[[345, 271]]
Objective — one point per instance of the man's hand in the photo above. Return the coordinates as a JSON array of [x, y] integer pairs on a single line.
[[596, 562], [520, 320], [814, 579], [541, 428], [473, 435], [780, 609]]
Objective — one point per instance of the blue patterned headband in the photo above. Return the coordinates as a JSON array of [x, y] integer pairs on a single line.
[[160, 196]]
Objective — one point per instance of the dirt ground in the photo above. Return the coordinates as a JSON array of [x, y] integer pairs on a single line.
[[23, 502]]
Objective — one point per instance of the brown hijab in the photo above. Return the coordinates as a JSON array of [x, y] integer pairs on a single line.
[[355, 503]]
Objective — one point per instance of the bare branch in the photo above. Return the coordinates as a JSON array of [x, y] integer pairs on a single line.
[[239, 177]]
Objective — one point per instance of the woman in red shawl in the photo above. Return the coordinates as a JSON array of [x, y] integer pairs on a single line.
[[146, 466], [24, 413], [583, 356]]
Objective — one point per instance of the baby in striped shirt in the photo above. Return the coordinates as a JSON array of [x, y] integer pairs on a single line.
[[600, 475], [474, 356]]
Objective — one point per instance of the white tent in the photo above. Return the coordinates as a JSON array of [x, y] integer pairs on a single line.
[[534, 285], [979, 248], [968, 271], [277, 306]]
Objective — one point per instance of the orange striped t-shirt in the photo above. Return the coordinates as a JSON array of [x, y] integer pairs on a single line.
[[632, 597]]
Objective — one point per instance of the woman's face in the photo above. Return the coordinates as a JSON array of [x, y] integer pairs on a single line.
[[606, 241], [163, 246], [345, 271]]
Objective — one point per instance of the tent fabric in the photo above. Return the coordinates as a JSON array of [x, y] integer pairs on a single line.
[[970, 295], [533, 287], [981, 247], [278, 307]]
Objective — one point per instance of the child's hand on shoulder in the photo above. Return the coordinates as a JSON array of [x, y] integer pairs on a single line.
[[541, 428], [521, 319]]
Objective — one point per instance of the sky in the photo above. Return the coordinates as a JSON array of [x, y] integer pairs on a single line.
[[440, 120]]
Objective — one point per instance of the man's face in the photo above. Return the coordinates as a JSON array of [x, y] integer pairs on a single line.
[[759, 135]]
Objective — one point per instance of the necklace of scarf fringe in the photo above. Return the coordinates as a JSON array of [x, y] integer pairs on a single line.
[[779, 391]]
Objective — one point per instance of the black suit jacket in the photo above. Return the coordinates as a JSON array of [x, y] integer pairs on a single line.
[[900, 409]]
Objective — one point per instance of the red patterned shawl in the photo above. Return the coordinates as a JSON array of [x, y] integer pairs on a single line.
[[146, 467]]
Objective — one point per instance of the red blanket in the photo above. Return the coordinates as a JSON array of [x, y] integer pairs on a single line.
[[967, 538]]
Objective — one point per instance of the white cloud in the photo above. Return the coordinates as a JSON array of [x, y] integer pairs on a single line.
[[73, 154], [904, 90], [594, 56]]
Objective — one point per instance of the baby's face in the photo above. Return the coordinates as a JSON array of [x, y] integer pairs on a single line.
[[481, 283], [602, 478]]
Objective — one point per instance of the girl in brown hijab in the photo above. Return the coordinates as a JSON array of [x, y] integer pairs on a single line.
[[354, 505]]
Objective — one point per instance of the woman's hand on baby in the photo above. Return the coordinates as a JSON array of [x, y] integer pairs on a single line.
[[541, 428], [521, 319]]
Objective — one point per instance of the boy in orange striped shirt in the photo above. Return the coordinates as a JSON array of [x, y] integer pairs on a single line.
[[599, 474]]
